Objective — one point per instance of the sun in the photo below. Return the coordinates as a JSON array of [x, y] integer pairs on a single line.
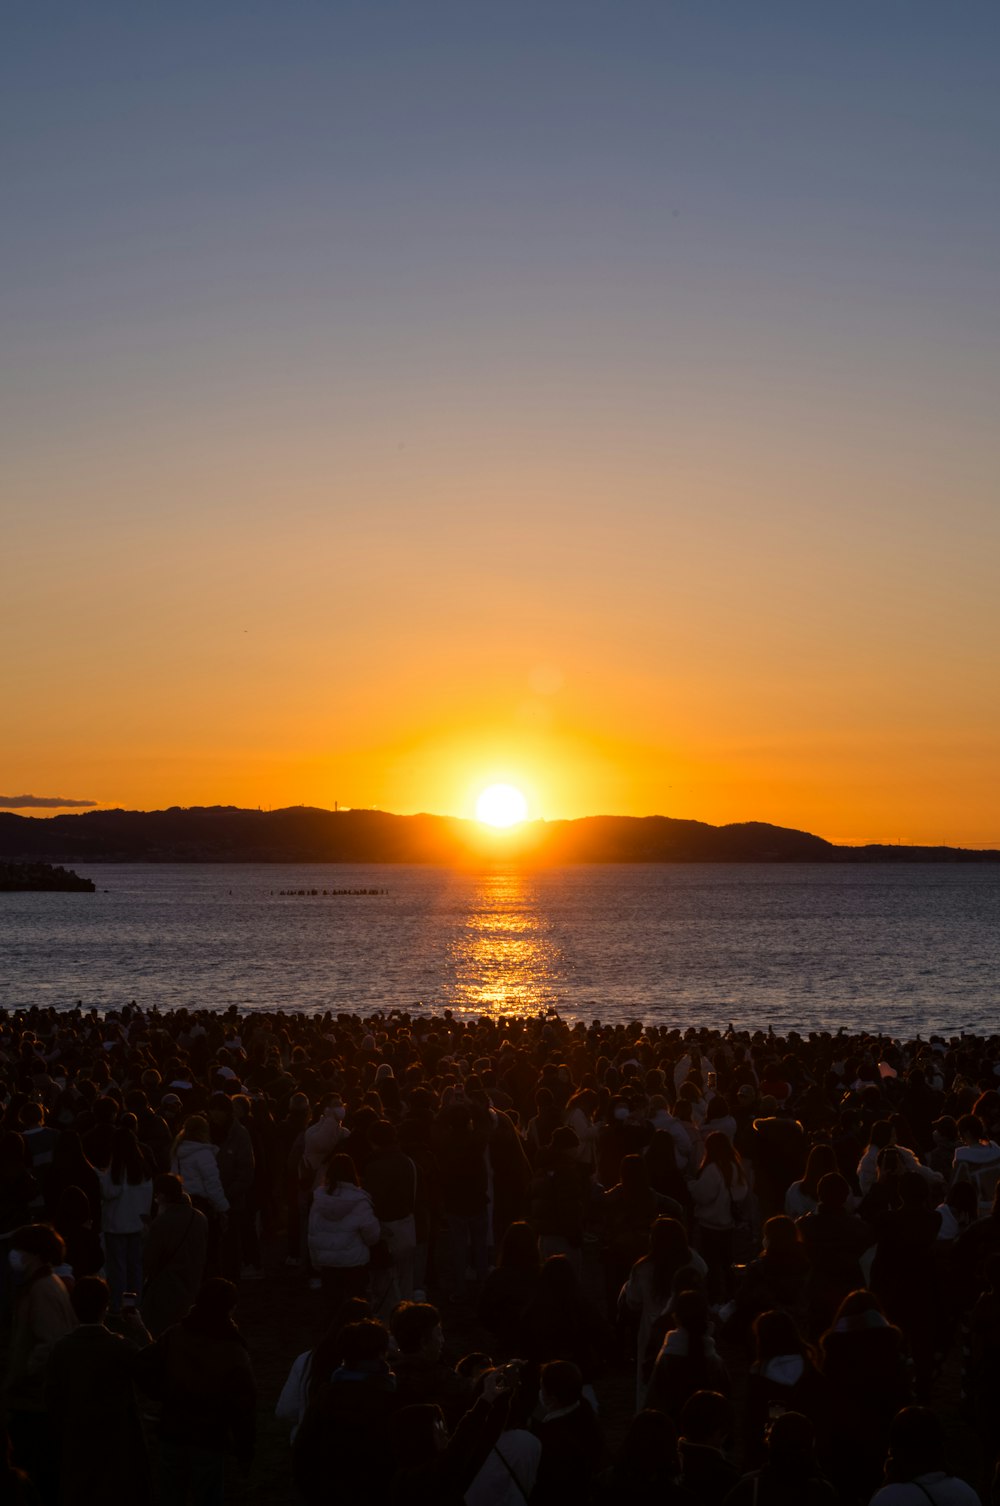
[[501, 805]]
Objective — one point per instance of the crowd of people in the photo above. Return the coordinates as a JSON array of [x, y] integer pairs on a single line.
[[547, 1261]]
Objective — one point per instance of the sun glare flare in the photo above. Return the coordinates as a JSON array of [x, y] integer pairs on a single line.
[[501, 805]]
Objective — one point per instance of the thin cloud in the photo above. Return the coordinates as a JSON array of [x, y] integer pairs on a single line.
[[48, 802]]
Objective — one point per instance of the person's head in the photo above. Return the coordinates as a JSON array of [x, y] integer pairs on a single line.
[[560, 1386], [168, 1189], [220, 1111], [717, 1109], [90, 1297], [833, 1192], [791, 1440], [364, 1345], [859, 1311], [916, 1444], [945, 1131], [883, 1134], [382, 1135], [73, 1210], [565, 1141], [128, 1162], [822, 1158], [195, 1128], [34, 1248], [719, 1151], [691, 1313], [416, 1327], [340, 1169], [211, 1312], [707, 1418], [519, 1248], [780, 1236], [971, 1131]]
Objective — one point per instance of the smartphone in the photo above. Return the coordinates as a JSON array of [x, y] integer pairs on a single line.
[[130, 1302]]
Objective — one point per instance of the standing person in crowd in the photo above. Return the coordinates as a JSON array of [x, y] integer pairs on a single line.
[[127, 1197], [462, 1141], [97, 1430], [174, 1255], [649, 1291], [390, 1179], [570, 1435], [864, 1366], [43, 1314], [512, 1285], [688, 1360], [579, 1117], [790, 1476], [916, 1467], [236, 1173], [196, 1161], [200, 1373], [342, 1231], [718, 1191]]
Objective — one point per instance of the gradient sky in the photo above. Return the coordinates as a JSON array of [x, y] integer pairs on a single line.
[[599, 397]]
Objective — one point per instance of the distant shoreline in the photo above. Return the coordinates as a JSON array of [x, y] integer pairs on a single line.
[[226, 834]]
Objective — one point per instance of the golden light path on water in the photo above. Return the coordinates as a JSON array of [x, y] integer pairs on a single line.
[[505, 960]]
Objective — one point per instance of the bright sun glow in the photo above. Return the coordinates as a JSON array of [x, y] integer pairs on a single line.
[[501, 805]]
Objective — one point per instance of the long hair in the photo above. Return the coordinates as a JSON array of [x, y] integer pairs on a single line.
[[719, 1152], [195, 1127], [340, 1168], [669, 1251], [822, 1158], [128, 1160]]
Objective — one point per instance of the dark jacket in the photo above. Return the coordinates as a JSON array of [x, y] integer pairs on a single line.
[[390, 1179], [206, 1388], [572, 1453], [236, 1164], [95, 1419], [173, 1260], [344, 1430]]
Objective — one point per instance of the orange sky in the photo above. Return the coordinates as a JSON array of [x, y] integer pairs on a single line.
[[612, 415]]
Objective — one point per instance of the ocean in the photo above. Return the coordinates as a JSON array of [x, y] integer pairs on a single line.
[[899, 948]]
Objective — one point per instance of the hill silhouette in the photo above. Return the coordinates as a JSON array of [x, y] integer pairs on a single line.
[[304, 834]]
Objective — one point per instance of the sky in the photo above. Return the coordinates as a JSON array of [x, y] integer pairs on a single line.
[[597, 397]]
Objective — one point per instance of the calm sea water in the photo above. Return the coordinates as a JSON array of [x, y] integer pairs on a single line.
[[898, 948]]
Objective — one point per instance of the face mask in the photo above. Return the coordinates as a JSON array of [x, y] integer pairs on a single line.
[[18, 1262], [621, 1113]]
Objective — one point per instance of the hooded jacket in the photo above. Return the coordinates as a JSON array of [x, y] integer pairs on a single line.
[[342, 1226], [197, 1164]]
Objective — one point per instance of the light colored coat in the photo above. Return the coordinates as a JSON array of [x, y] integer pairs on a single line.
[[197, 1164], [713, 1200], [342, 1226], [124, 1205]]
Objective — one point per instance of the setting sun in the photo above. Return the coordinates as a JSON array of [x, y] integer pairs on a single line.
[[501, 805]]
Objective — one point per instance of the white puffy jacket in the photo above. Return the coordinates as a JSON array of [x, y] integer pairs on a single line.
[[342, 1226], [124, 1205], [197, 1164], [713, 1200]]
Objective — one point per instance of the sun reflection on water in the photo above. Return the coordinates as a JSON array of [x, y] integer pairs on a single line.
[[505, 961]]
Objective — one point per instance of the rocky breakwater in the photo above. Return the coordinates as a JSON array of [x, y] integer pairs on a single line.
[[42, 877]]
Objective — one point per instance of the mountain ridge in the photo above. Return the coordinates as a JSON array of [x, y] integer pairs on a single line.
[[310, 834]]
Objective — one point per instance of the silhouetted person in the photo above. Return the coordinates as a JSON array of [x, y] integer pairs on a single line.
[[92, 1404]]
